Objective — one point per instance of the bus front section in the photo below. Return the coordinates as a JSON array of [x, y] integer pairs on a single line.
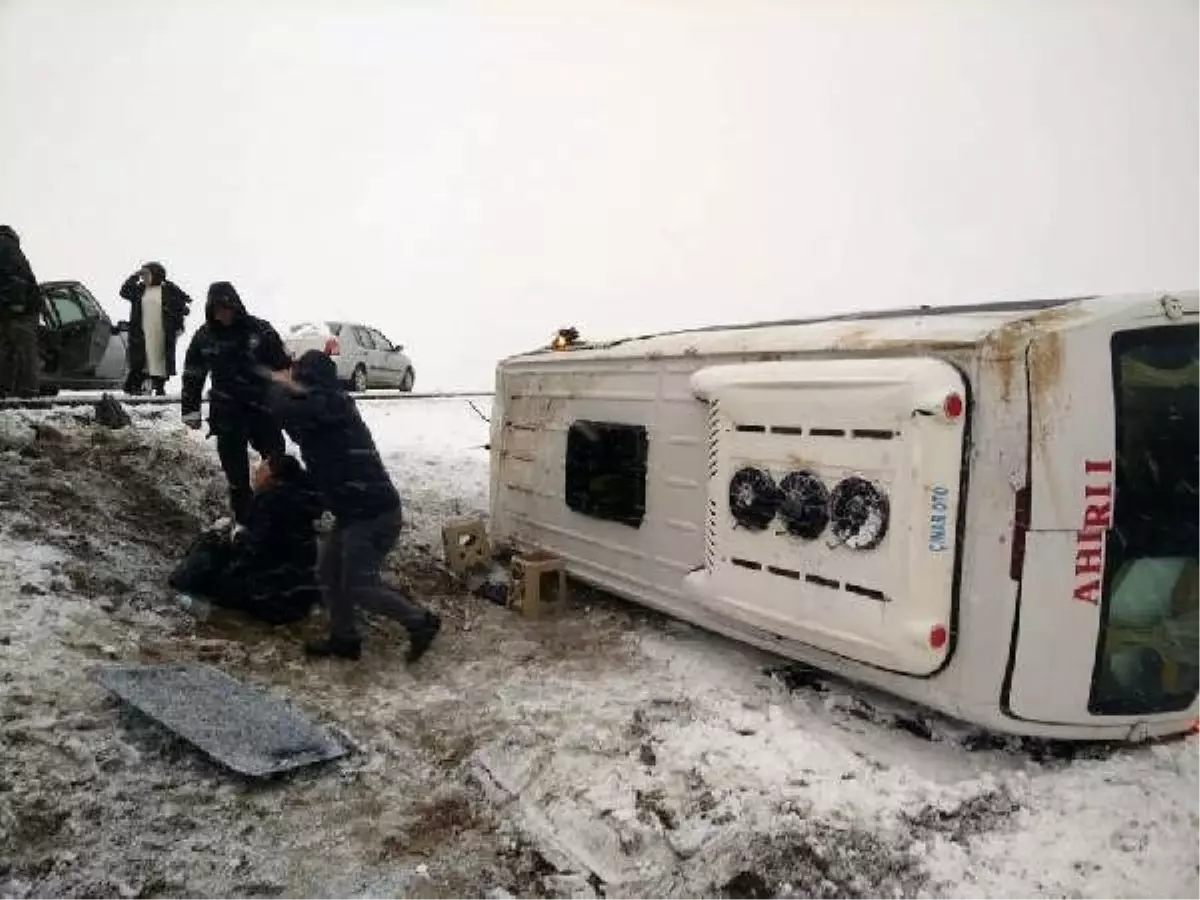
[[1108, 617]]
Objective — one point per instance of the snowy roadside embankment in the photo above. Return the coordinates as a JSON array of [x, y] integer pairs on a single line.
[[599, 750]]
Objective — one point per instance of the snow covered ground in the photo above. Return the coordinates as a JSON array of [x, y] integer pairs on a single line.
[[599, 751]]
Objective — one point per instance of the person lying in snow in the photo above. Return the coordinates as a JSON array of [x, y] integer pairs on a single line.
[[345, 466], [268, 569]]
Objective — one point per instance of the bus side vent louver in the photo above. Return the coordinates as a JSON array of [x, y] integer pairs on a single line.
[[710, 536], [810, 579], [714, 435]]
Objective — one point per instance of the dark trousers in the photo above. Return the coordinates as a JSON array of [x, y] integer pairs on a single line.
[[349, 569], [267, 603], [20, 365], [206, 571], [135, 381], [264, 436]]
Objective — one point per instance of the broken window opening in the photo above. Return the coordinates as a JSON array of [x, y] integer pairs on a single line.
[[1147, 659], [606, 471]]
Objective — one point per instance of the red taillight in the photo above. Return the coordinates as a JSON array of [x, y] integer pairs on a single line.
[[1016, 563], [953, 406], [332, 347], [937, 637]]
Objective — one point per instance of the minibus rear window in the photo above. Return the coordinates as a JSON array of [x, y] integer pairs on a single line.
[[1147, 655], [606, 471]]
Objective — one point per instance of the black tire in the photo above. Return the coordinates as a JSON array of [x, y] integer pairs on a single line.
[[358, 381], [407, 380]]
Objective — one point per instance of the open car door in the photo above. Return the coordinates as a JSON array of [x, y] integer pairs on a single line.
[[78, 331]]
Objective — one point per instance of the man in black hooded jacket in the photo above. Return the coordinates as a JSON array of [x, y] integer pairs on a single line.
[[20, 307], [345, 467], [236, 350]]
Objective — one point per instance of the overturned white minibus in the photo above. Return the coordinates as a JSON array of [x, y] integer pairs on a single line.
[[990, 510]]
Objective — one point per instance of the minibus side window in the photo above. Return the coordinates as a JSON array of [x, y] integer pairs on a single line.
[[606, 471], [1147, 655]]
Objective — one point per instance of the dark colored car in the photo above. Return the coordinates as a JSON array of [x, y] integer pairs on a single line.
[[81, 348]]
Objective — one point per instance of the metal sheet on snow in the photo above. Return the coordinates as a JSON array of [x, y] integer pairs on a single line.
[[239, 726]]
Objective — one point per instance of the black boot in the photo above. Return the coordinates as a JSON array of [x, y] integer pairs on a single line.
[[419, 641], [160, 386], [345, 648]]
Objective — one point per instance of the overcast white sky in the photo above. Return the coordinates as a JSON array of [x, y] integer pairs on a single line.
[[469, 177]]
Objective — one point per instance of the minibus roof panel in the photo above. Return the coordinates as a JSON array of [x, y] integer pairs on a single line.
[[942, 327]]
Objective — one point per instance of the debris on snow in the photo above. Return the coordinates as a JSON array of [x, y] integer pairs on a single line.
[[239, 726], [16, 433], [111, 414]]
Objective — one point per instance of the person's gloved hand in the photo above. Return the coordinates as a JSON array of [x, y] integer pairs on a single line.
[[193, 421], [225, 523]]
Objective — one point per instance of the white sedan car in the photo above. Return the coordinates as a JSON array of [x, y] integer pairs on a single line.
[[364, 357]]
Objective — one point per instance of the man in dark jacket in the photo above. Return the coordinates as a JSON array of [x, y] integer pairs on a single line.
[[20, 308], [157, 311], [238, 351], [269, 570], [345, 467]]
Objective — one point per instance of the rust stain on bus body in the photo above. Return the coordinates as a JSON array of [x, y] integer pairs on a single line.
[[1006, 349]]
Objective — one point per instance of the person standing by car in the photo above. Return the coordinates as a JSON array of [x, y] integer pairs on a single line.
[[157, 311], [345, 466], [238, 351], [20, 308]]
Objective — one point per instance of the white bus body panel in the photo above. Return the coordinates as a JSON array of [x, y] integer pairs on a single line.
[[1056, 640], [668, 383], [878, 419], [1072, 457]]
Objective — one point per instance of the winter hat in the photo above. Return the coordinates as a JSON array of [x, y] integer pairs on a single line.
[[6, 231], [158, 272]]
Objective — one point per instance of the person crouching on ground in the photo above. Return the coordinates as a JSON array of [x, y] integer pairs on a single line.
[[235, 349], [345, 466], [157, 312], [269, 569]]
